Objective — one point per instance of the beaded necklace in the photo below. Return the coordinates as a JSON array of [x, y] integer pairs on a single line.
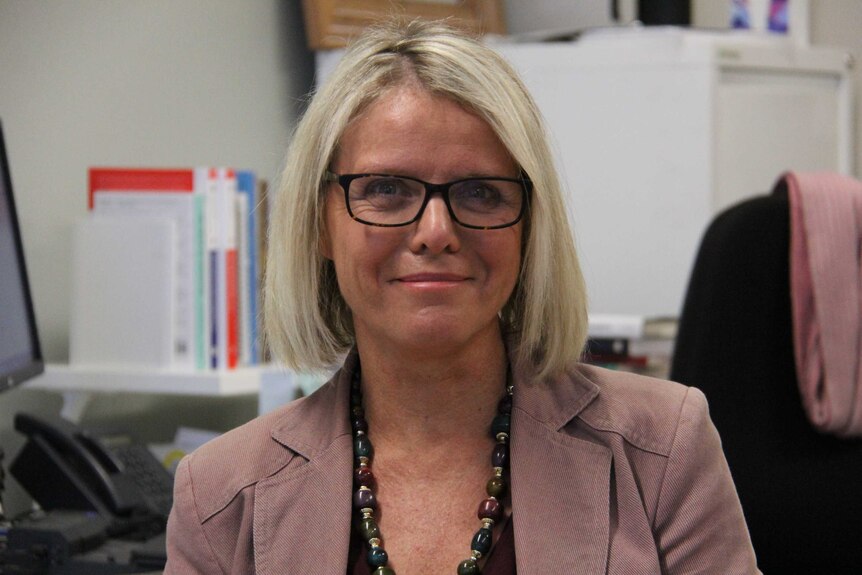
[[364, 501]]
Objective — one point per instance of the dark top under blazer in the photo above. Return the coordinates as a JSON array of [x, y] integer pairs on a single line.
[[611, 473]]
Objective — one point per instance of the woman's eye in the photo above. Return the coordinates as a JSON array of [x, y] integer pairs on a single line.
[[479, 191], [483, 192], [382, 188]]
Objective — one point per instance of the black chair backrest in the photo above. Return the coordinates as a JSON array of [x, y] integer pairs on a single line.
[[801, 491]]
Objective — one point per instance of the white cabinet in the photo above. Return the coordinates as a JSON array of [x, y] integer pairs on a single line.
[[657, 130]]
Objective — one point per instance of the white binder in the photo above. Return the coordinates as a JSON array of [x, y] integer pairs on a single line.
[[122, 290]]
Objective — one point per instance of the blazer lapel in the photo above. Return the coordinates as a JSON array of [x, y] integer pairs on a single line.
[[302, 519], [302, 515], [560, 484]]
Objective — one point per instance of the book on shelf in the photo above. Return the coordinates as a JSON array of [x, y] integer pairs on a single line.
[[242, 258], [607, 346], [631, 326], [222, 252], [631, 343], [170, 194], [248, 228], [217, 245], [264, 354]]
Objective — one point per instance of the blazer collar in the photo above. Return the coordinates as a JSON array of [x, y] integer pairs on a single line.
[[560, 484]]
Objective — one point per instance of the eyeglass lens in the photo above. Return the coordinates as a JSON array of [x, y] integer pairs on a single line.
[[392, 200]]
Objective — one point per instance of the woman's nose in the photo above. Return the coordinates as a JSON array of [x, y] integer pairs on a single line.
[[435, 232]]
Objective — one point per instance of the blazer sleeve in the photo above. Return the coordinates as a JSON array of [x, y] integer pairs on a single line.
[[189, 550], [699, 525]]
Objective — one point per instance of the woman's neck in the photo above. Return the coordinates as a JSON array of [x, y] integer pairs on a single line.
[[415, 399]]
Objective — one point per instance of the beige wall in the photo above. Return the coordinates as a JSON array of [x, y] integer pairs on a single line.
[[143, 83]]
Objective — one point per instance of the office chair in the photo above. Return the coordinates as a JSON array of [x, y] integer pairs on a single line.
[[801, 490]]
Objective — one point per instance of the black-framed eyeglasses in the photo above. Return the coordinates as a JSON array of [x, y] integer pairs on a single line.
[[389, 200]]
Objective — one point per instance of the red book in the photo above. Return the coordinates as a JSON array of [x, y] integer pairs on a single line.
[[228, 292], [139, 180]]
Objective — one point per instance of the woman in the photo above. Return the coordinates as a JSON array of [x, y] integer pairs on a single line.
[[420, 226]]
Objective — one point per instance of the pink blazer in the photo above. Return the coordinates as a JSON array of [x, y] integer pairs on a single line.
[[611, 473]]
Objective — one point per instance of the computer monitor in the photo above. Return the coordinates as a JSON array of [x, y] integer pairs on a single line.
[[20, 353]]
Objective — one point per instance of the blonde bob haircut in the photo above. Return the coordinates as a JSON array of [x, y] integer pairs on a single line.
[[307, 322]]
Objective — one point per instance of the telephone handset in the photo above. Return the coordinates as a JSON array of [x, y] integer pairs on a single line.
[[65, 467]]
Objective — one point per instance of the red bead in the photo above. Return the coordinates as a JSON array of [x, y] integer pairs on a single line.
[[363, 476], [491, 509]]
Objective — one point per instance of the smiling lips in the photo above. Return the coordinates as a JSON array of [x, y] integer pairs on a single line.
[[432, 279]]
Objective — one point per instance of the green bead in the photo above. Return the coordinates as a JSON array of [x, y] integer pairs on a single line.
[[384, 571], [369, 529], [468, 567], [502, 424], [362, 446], [377, 557], [496, 487]]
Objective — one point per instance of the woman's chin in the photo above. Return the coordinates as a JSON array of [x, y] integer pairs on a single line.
[[438, 333]]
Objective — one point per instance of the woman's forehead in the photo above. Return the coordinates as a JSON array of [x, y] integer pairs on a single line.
[[411, 125]]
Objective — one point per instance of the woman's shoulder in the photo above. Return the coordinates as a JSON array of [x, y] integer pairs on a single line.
[[237, 459], [257, 441], [256, 450], [251, 442], [646, 411]]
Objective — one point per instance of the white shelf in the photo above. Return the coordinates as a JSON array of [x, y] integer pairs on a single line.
[[63, 378]]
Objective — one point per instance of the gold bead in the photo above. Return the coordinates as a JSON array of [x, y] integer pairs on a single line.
[[488, 523], [498, 471], [364, 488], [374, 542], [502, 437], [363, 460], [367, 511], [476, 554]]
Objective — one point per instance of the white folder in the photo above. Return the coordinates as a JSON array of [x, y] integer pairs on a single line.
[[122, 290]]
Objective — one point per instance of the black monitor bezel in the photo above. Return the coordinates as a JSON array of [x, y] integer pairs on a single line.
[[37, 365]]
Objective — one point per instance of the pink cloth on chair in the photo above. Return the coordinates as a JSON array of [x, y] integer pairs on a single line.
[[826, 294]]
